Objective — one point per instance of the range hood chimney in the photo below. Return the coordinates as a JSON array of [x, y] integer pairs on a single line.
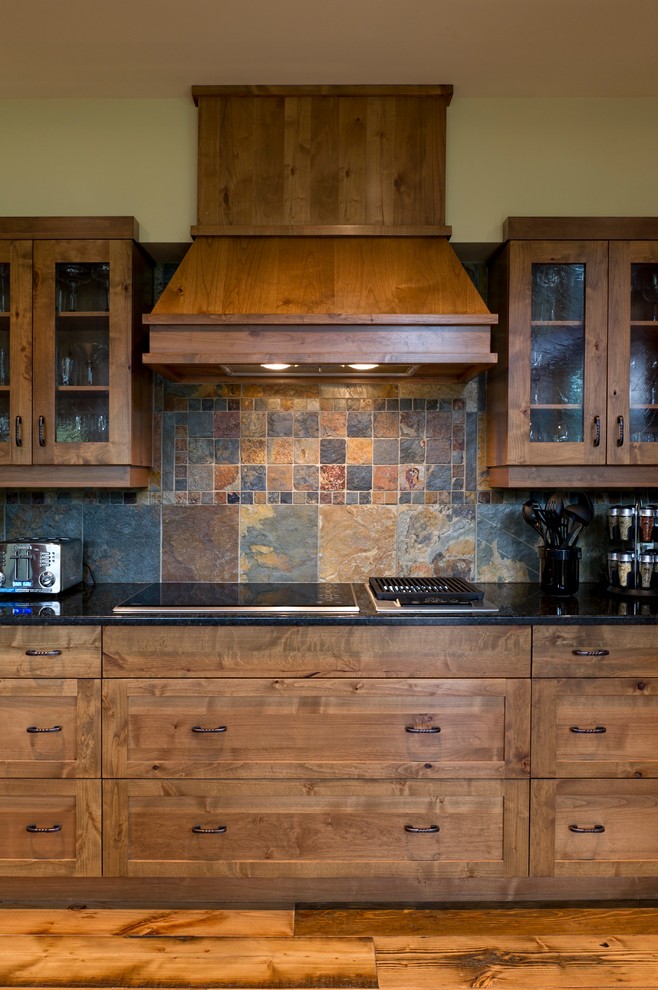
[[320, 247]]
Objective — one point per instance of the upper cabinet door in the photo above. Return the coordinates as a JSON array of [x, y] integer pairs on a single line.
[[633, 353], [557, 355], [15, 352], [82, 352]]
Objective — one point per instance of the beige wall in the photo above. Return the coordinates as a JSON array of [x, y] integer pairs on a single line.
[[505, 158]]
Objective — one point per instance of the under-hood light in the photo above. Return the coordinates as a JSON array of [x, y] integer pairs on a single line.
[[275, 367], [363, 367]]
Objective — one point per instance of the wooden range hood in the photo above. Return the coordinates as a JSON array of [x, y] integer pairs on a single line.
[[321, 243]]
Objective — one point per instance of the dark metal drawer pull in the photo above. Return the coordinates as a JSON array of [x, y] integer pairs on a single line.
[[596, 728], [591, 653], [35, 828], [42, 431], [35, 728], [596, 439], [429, 729], [595, 828], [18, 434], [620, 431], [43, 653], [200, 728], [200, 830], [430, 830]]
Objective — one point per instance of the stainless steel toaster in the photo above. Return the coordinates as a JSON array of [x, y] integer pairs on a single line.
[[43, 566]]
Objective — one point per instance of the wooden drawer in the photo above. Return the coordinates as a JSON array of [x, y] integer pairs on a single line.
[[595, 727], [315, 828], [588, 651], [329, 651], [50, 651], [329, 727], [594, 828], [66, 816], [51, 728]]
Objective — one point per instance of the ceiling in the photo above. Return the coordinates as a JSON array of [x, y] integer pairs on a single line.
[[484, 48]]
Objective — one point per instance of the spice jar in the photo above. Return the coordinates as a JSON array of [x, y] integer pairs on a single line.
[[625, 523], [648, 517], [646, 570], [613, 567], [625, 570]]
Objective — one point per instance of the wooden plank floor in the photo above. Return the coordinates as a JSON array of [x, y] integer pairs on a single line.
[[497, 948]]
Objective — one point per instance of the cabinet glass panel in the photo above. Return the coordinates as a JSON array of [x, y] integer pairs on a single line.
[[557, 350], [4, 352], [643, 371], [82, 342]]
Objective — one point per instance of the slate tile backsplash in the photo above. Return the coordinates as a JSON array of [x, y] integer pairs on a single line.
[[306, 483]]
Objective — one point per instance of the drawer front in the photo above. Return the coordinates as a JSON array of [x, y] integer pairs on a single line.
[[349, 651], [313, 829], [594, 651], [595, 727], [51, 728], [286, 728], [50, 828], [594, 828], [50, 651]]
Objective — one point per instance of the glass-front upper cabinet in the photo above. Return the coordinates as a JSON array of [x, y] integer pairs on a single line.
[[82, 308], [15, 351], [573, 399], [633, 349], [556, 320], [75, 398]]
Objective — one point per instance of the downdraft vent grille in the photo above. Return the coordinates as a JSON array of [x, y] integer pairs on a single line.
[[420, 589]]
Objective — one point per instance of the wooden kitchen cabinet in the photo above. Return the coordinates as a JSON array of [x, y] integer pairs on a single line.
[[335, 828], [594, 722], [573, 399], [51, 714], [75, 400], [292, 752]]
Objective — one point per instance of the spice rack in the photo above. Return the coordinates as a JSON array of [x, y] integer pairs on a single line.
[[633, 561]]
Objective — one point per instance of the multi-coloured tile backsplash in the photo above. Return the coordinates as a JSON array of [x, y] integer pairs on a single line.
[[306, 483]]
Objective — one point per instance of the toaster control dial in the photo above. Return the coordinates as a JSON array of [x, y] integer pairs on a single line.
[[47, 579]]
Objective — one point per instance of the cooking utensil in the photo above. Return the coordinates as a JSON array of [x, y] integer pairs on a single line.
[[531, 512]]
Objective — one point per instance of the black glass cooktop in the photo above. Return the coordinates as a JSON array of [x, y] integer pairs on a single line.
[[206, 598]]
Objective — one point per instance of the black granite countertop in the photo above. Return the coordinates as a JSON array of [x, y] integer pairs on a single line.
[[519, 604]]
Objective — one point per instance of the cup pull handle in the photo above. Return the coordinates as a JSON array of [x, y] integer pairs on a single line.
[[595, 729], [430, 830], [200, 830], [594, 829], [36, 828]]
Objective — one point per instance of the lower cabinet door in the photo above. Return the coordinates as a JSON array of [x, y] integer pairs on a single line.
[[315, 828], [594, 828], [50, 828]]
